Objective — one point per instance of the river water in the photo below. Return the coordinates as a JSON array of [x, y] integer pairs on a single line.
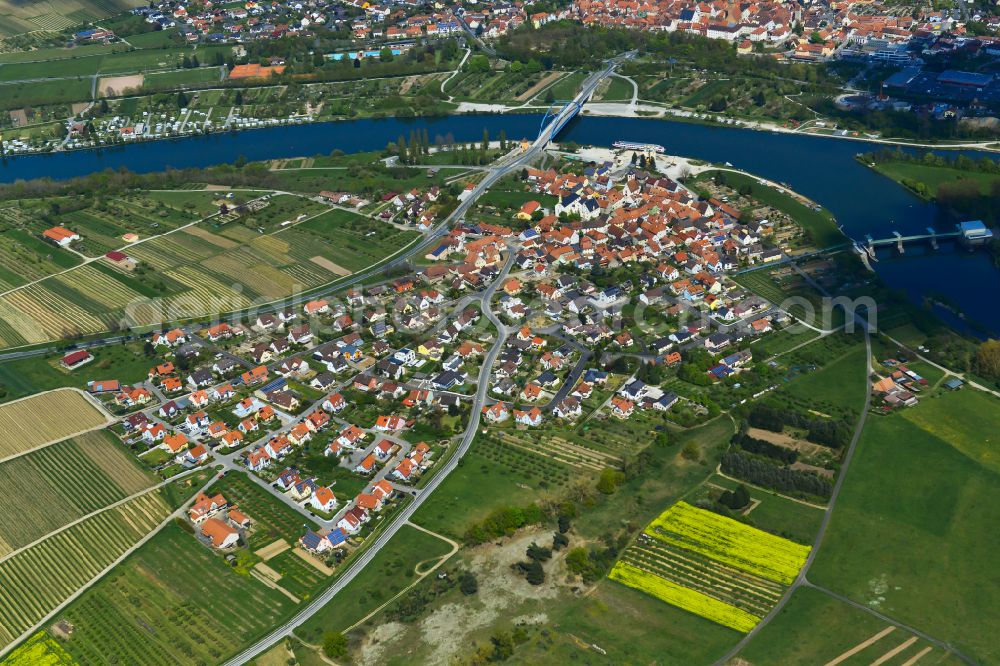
[[822, 169]]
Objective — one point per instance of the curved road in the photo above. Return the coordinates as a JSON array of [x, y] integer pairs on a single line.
[[500, 169], [404, 516]]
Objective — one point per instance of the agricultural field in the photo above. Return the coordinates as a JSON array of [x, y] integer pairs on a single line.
[[144, 609], [835, 388], [39, 650], [20, 17], [30, 423], [538, 449], [35, 581], [51, 487], [936, 512], [710, 565], [449, 511], [215, 266], [498, 86], [816, 628]]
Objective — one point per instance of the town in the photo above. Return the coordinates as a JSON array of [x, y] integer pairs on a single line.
[[575, 332]]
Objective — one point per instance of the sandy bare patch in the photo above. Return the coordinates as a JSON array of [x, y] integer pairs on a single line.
[[279, 655], [330, 266], [313, 562], [209, 237], [407, 84], [265, 570], [79, 107], [787, 441], [861, 646], [18, 117], [539, 87], [266, 580], [217, 188], [382, 637], [109, 86], [446, 630], [272, 550], [806, 467]]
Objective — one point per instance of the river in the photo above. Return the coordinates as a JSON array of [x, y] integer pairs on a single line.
[[822, 169]]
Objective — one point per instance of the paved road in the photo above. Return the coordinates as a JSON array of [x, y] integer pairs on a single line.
[[800, 580], [404, 516], [500, 169]]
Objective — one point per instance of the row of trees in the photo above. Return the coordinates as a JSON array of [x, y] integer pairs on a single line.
[[828, 432], [764, 448], [762, 473]]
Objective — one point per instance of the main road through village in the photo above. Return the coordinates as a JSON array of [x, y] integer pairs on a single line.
[[502, 168]]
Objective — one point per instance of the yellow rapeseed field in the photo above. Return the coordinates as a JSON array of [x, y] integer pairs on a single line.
[[683, 597], [730, 542]]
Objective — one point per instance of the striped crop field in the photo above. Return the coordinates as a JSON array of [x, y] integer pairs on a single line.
[[47, 489], [711, 565], [99, 287], [187, 273], [34, 581], [52, 315], [40, 650], [45, 418], [729, 541]]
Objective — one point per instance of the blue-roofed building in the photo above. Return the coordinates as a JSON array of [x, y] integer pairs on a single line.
[[975, 233], [439, 252], [958, 78], [314, 543], [720, 371]]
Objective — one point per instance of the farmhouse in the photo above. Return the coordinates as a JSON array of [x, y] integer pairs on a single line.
[[74, 360], [220, 535], [61, 236]]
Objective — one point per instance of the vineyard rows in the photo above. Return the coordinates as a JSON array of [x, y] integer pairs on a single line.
[[730, 542], [28, 423], [711, 565], [35, 581], [49, 488], [563, 452]]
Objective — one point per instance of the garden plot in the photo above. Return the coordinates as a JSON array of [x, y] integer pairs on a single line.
[[710, 565], [562, 451], [32, 422]]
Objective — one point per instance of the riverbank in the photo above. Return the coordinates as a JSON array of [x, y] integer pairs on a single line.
[[634, 110]]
